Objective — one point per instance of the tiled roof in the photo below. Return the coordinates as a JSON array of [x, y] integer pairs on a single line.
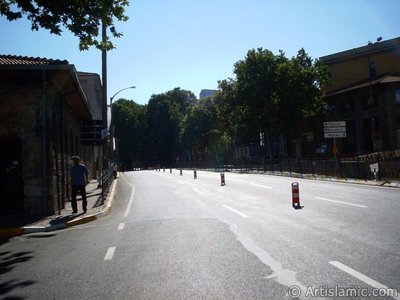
[[29, 61]]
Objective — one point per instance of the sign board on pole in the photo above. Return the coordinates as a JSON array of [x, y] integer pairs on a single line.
[[332, 135], [335, 124], [334, 129], [91, 132]]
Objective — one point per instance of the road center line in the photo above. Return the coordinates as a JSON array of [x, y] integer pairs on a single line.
[[110, 253], [341, 202], [235, 211], [121, 226], [129, 207], [361, 277], [260, 186]]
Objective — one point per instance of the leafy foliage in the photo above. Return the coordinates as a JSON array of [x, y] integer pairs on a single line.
[[130, 123], [82, 17], [271, 94]]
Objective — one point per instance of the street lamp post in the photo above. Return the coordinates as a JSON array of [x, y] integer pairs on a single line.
[[111, 142], [372, 75], [111, 99]]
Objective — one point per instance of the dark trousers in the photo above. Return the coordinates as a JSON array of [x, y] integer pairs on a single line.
[[74, 192]]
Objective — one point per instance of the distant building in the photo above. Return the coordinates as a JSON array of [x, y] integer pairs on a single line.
[[365, 93], [207, 93], [43, 106]]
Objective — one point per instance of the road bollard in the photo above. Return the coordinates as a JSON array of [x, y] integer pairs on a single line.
[[194, 173], [296, 196], [170, 170], [164, 170], [222, 179], [180, 172]]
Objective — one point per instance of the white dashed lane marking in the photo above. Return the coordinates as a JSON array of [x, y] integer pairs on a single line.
[[364, 278], [110, 253], [341, 202], [235, 211], [129, 207]]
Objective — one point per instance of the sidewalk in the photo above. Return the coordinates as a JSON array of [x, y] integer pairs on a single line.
[[21, 224], [382, 183]]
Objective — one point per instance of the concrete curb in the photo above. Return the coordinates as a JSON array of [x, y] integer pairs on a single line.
[[15, 231]]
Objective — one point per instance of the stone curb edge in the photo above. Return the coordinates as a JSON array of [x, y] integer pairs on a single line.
[[10, 232]]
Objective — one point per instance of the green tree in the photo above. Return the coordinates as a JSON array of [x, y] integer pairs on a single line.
[[165, 113], [130, 125], [298, 93], [255, 76], [82, 18], [275, 93]]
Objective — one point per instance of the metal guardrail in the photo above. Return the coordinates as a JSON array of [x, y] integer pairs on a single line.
[[107, 178], [380, 167]]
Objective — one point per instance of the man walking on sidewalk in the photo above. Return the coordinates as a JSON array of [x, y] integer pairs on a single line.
[[79, 178]]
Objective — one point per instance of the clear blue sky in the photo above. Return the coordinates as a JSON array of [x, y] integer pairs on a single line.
[[192, 44]]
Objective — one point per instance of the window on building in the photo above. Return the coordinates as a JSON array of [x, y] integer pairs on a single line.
[[397, 96], [368, 102], [372, 70]]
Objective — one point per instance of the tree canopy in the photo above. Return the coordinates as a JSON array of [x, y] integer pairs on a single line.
[[82, 18], [270, 94]]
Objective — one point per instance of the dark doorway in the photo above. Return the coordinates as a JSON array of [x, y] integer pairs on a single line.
[[11, 183]]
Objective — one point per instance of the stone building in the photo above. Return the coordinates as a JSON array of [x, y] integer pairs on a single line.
[[42, 109], [365, 93]]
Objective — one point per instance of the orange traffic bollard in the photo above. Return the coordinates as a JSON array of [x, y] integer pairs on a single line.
[[296, 196], [222, 179]]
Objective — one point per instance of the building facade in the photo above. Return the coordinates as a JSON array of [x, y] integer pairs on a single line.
[[364, 91], [42, 109], [206, 93]]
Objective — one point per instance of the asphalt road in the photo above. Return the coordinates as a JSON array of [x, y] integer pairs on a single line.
[[175, 237]]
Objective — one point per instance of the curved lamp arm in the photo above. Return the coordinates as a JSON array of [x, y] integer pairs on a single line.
[[111, 99]]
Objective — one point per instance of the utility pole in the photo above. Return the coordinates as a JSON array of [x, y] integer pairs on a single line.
[[104, 92]]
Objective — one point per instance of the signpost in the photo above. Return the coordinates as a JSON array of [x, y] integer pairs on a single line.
[[334, 130], [93, 133]]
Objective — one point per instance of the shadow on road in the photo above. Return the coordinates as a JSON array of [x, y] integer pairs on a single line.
[[64, 219], [9, 261], [12, 284], [40, 235]]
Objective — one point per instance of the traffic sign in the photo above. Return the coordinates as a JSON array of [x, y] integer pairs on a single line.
[[335, 124], [334, 129], [332, 135], [91, 132]]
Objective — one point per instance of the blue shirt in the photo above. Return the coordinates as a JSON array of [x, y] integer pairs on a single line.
[[79, 174]]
